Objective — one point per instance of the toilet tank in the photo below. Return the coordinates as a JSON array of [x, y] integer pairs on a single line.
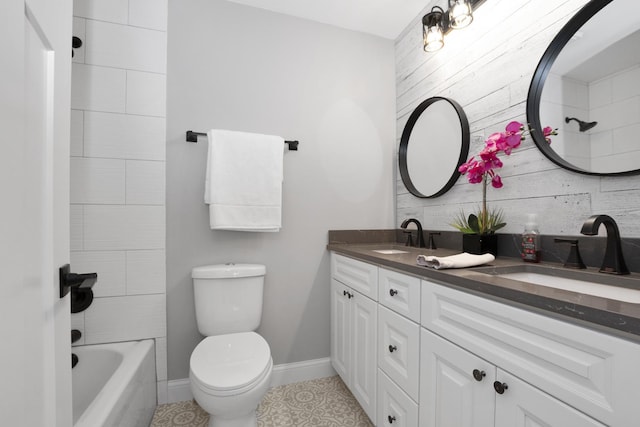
[[228, 297]]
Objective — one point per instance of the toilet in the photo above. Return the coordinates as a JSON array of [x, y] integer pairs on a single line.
[[230, 370]]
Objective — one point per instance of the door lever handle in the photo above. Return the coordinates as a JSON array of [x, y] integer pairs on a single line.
[[70, 280]]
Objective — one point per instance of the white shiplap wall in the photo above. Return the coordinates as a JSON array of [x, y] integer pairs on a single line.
[[118, 171], [487, 68]]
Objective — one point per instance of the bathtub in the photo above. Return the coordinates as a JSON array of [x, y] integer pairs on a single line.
[[114, 384]]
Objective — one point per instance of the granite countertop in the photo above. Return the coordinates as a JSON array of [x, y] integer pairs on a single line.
[[608, 315]]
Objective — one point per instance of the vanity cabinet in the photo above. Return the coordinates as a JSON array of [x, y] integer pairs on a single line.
[[354, 324], [556, 373], [460, 389], [419, 353]]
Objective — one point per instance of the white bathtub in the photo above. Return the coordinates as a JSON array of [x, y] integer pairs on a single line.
[[114, 385]]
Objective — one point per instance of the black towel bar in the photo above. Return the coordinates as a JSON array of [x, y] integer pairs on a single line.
[[193, 137]]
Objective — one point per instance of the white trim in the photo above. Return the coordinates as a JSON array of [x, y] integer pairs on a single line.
[[286, 373], [179, 390]]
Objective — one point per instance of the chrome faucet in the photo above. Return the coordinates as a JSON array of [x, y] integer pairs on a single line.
[[406, 222], [613, 261]]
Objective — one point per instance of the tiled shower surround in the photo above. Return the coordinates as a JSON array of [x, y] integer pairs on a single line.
[[118, 170]]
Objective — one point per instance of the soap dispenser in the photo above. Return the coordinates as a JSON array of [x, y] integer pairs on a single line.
[[531, 240]]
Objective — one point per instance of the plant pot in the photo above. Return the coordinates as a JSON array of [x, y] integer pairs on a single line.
[[480, 243]]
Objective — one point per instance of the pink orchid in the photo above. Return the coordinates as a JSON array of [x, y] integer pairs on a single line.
[[548, 131], [483, 170]]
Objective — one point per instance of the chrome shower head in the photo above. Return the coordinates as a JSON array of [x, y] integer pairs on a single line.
[[583, 126]]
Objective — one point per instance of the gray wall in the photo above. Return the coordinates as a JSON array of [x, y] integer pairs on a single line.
[[487, 68], [241, 68]]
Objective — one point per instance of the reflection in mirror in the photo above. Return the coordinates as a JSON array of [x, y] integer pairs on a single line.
[[434, 143], [588, 85]]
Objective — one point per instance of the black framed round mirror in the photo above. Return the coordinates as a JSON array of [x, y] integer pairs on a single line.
[[585, 85], [434, 143]]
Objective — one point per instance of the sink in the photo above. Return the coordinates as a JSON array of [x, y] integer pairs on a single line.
[[611, 287], [390, 251]]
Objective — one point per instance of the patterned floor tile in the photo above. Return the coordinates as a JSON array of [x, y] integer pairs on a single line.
[[325, 402]]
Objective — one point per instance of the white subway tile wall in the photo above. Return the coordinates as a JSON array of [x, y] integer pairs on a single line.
[[118, 170]]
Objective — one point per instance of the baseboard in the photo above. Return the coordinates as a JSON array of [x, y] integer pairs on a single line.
[[179, 390], [286, 373]]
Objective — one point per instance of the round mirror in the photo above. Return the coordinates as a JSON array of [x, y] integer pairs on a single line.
[[434, 143], [587, 85]]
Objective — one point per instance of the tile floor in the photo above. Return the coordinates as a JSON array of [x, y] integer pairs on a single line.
[[325, 402]]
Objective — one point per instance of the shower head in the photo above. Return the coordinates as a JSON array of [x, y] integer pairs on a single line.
[[583, 126]]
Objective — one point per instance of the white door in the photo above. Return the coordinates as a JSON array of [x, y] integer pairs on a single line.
[[456, 387], [340, 326], [34, 211], [364, 365]]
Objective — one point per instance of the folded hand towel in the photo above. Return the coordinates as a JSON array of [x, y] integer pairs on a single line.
[[454, 261], [244, 181]]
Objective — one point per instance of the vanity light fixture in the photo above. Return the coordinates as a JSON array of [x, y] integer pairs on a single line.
[[432, 29], [437, 23]]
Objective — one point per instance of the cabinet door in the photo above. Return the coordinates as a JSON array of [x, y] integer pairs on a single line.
[[395, 408], [450, 395], [340, 329], [364, 323], [399, 350], [522, 405]]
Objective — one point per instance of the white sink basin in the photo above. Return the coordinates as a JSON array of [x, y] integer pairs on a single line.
[[579, 286], [390, 251]]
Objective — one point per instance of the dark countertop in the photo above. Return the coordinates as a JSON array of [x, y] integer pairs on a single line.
[[612, 316]]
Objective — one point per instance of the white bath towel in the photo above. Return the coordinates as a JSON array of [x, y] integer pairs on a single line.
[[244, 181], [454, 261]]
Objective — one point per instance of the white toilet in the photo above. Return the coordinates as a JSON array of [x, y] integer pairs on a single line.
[[230, 370]]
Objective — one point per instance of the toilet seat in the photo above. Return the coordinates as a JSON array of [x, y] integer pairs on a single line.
[[230, 364]]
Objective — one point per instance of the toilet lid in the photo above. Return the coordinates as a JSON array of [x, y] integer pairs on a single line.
[[231, 361]]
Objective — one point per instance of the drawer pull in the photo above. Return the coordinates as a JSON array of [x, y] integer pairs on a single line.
[[500, 387], [391, 419], [392, 292], [479, 375], [392, 348]]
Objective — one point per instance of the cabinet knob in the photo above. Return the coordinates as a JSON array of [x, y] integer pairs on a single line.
[[350, 295], [479, 375], [500, 387], [391, 419], [392, 292], [345, 293], [392, 348]]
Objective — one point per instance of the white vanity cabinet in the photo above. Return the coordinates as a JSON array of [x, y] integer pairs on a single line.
[[556, 373], [459, 389], [354, 323], [419, 353]]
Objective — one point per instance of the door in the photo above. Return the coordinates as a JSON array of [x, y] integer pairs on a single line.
[[456, 387], [340, 326], [364, 325], [34, 211], [522, 405]]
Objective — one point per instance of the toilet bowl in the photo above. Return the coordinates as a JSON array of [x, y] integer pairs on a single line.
[[230, 369], [229, 376]]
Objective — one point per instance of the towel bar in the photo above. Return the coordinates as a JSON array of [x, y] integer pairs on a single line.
[[193, 137]]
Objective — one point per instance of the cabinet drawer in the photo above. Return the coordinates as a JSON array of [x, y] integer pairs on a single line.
[[395, 408], [360, 276], [400, 293], [399, 350], [594, 372]]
